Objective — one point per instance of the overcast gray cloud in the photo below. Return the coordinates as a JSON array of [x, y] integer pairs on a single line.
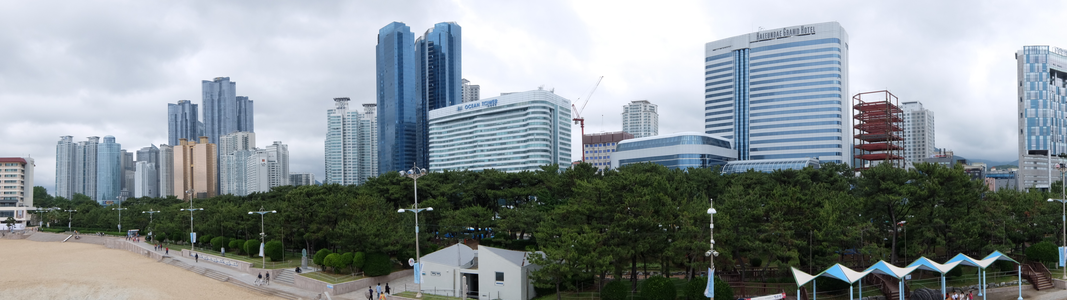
[[110, 67]]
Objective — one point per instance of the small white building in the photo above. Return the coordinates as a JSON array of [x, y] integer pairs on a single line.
[[487, 273]]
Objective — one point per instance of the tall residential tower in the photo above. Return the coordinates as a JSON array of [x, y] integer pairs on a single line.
[[351, 143], [1042, 87], [781, 93], [918, 131], [640, 118]]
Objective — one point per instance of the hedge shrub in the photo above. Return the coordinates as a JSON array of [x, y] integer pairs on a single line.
[[659, 288], [251, 247], [235, 246], [274, 250], [1042, 252], [694, 290], [359, 259], [217, 243], [615, 290], [320, 256], [377, 264], [346, 259], [723, 289], [333, 261]]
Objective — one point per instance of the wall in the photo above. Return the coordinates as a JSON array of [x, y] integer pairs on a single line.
[[347, 287], [236, 264]]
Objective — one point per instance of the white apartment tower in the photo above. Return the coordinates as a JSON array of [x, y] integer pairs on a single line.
[[233, 162], [146, 179], [640, 118], [65, 150], [351, 143], [471, 92], [918, 131]]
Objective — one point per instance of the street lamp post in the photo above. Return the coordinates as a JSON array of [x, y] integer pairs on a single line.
[[262, 234], [1064, 230], [711, 254], [70, 217], [414, 174], [192, 242], [151, 215], [120, 209]]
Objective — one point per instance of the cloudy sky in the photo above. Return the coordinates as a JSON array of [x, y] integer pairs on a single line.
[[96, 68]]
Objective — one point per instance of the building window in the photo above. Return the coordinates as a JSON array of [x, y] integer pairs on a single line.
[[499, 276]]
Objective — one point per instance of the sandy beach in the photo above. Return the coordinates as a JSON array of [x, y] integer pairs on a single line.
[[52, 270]]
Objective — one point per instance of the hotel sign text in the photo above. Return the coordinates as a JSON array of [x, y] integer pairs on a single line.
[[784, 32], [473, 105]]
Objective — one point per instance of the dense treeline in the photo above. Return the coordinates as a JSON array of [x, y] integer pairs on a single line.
[[593, 224]]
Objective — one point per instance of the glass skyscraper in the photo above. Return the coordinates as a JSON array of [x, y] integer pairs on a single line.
[[109, 172], [183, 122], [439, 53], [397, 97], [1042, 86], [781, 93], [224, 111]]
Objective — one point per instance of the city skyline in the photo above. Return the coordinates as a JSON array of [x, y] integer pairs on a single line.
[[71, 85]]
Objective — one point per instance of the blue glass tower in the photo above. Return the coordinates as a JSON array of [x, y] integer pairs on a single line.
[[183, 122], [397, 97], [439, 52], [224, 112], [109, 173], [781, 93]]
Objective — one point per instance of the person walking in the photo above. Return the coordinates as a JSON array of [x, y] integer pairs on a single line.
[[379, 289], [388, 292], [259, 279], [196, 257], [168, 251], [370, 293], [268, 278]]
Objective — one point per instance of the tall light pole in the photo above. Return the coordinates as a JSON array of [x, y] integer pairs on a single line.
[[1064, 230], [262, 234], [120, 209], [192, 235], [151, 214], [414, 174], [901, 226], [70, 217], [711, 254]]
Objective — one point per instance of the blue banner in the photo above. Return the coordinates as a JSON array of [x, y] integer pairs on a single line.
[[709, 291], [1063, 255], [418, 276]]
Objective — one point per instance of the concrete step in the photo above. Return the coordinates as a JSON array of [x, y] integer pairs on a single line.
[[216, 275], [264, 290], [287, 277]]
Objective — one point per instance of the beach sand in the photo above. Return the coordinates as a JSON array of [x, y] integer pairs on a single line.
[[52, 270]]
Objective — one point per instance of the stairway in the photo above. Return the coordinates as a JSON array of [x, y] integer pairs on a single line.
[[1039, 277], [264, 290], [286, 276]]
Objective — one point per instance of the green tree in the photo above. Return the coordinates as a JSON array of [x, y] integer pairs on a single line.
[[377, 264], [1042, 252], [274, 250], [358, 260], [251, 248]]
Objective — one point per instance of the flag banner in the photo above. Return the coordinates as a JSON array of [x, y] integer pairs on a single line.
[[709, 291], [192, 237], [261, 250], [418, 277], [1063, 255]]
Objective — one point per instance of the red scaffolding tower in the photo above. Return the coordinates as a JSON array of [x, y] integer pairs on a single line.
[[876, 130]]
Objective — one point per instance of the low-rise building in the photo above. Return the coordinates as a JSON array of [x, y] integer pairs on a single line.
[[675, 151], [598, 147], [485, 273], [16, 190]]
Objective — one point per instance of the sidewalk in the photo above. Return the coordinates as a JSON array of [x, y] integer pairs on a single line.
[[234, 274]]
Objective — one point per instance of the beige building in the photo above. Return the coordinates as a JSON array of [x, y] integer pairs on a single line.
[[16, 190], [195, 169]]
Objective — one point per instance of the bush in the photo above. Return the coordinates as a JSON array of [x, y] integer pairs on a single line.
[[346, 259], [358, 260], [334, 261], [755, 262], [161, 237], [274, 250], [320, 256], [615, 290], [1042, 252], [217, 243], [723, 289], [377, 264], [204, 239], [659, 288], [235, 245], [694, 289], [251, 247]]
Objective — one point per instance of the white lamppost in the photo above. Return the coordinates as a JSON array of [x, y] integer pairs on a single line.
[[120, 209], [70, 217], [262, 234], [711, 254], [151, 215], [1064, 229], [192, 235], [414, 174]]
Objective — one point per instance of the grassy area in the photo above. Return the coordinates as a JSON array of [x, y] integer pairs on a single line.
[[968, 280], [331, 278], [291, 259]]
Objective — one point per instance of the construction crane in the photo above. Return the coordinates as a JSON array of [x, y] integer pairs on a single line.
[[578, 112]]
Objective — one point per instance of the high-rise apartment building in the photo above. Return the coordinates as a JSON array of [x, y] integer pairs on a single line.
[[166, 171], [129, 174], [16, 190], [85, 155], [351, 143], [65, 150], [1042, 90], [234, 151], [510, 133], [597, 148], [640, 118], [278, 172], [298, 179], [471, 92], [224, 111], [397, 97], [439, 70], [146, 180], [781, 93], [918, 131], [109, 172], [183, 122], [148, 183], [195, 169]]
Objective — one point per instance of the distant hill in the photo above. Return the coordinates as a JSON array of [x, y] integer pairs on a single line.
[[992, 163]]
